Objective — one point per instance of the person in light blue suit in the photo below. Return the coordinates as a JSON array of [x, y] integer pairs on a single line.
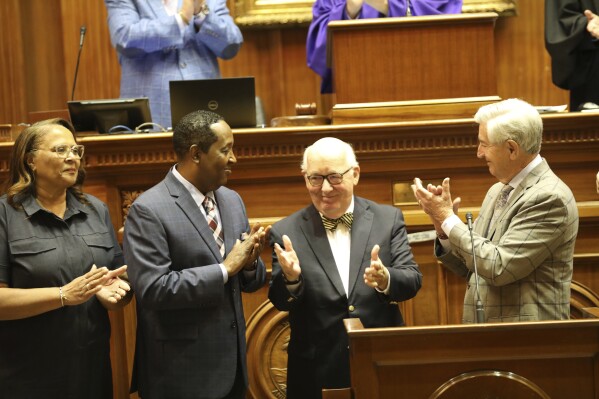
[[162, 40]]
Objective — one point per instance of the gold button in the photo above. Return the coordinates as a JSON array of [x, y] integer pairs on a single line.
[[351, 308]]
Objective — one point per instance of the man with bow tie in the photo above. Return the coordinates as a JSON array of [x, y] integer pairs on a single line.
[[341, 257]]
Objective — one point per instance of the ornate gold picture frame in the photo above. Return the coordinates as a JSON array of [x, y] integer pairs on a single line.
[[276, 13]]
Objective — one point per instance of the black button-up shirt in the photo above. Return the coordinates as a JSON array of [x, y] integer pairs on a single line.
[[51, 351]]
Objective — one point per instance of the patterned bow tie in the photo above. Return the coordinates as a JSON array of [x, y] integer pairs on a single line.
[[331, 224]]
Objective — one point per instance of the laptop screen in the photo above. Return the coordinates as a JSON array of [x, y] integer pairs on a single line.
[[232, 98], [103, 115]]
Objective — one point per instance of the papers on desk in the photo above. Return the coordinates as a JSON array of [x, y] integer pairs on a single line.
[[549, 109]]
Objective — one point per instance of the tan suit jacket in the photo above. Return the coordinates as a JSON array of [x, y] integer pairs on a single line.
[[524, 261]]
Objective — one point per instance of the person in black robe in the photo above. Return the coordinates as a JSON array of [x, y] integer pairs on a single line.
[[572, 40]]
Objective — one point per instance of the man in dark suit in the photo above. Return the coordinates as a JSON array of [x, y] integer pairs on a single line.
[[188, 267], [357, 263]]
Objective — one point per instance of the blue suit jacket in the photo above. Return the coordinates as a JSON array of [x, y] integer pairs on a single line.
[[318, 349], [190, 325], [152, 51]]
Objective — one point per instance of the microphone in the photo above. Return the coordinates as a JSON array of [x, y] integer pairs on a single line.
[[82, 35], [82, 32], [480, 311]]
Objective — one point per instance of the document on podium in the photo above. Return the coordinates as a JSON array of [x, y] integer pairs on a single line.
[[550, 109]]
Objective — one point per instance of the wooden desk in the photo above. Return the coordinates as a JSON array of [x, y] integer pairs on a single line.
[[416, 58], [557, 359], [390, 154]]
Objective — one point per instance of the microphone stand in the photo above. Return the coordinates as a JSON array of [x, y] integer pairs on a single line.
[[480, 311], [81, 37]]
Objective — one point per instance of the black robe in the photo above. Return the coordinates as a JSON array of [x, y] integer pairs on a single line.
[[574, 52]]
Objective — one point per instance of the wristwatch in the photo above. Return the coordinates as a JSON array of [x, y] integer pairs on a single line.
[[204, 10]]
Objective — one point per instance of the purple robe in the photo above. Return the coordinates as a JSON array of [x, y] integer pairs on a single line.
[[334, 10]]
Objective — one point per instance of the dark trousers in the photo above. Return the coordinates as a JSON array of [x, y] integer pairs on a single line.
[[238, 390]]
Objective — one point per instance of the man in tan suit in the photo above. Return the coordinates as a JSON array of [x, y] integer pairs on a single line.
[[525, 233]]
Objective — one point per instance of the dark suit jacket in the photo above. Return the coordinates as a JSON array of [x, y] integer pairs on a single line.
[[190, 326], [318, 349]]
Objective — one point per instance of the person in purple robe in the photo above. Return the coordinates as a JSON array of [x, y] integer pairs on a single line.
[[334, 10]]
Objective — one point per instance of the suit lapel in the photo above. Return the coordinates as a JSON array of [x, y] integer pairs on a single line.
[[360, 233], [530, 180], [186, 203], [486, 211], [316, 237], [158, 8]]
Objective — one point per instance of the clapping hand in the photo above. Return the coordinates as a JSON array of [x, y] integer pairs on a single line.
[[288, 260], [115, 288], [244, 253], [377, 275], [592, 23], [84, 287], [259, 236]]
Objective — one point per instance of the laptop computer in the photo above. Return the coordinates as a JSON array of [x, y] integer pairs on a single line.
[[232, 98]]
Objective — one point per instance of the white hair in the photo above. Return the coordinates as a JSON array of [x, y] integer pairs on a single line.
[[330, 147], [513, 119]]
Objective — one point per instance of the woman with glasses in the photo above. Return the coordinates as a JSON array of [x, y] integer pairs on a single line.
[[61, 268]]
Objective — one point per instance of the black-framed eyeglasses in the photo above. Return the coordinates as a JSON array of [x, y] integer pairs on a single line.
[[63, 150], [332, 178]]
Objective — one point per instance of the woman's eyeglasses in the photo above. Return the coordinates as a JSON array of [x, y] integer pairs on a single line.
[[63, 151]]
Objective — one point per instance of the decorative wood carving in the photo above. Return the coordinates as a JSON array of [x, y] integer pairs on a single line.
[[127, 198], [581, 297], [5, 132], [489, 383], [267, 340]]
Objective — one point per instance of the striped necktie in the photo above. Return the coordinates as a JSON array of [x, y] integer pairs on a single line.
[[217, 231], [331, 224], [501, 202]]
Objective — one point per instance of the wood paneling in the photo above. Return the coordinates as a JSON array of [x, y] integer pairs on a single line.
[[39, 59], [37, 62], [268, 178], [44, 54], [99, 71], [523, 64], [12, 77]]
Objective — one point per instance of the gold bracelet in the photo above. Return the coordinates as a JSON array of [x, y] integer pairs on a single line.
[[62, 296]]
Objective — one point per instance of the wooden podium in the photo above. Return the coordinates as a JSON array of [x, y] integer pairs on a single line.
[[411, 59], [557, 359]]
